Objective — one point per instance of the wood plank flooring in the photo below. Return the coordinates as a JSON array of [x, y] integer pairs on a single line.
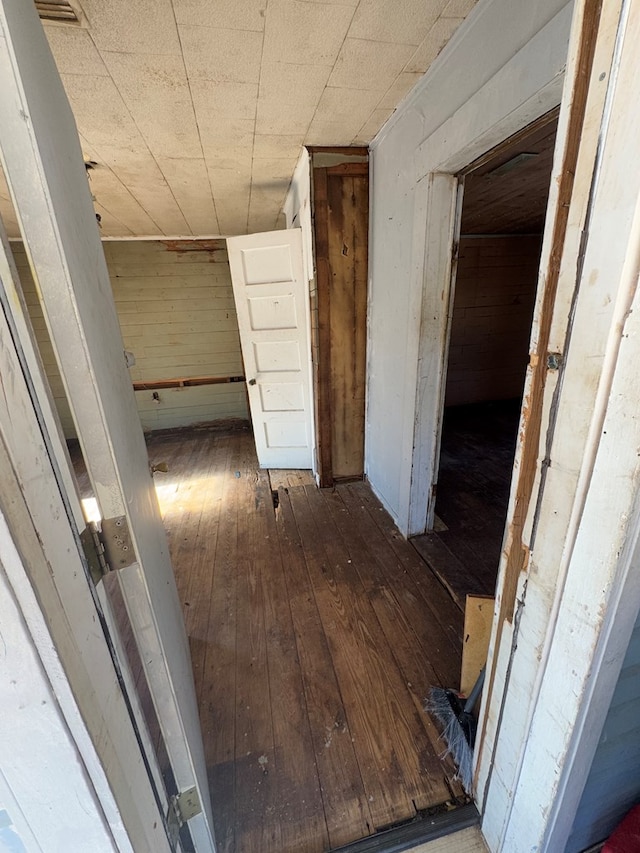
[[316, 632], [476, 462]]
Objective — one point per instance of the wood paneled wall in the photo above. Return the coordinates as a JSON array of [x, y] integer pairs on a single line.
[[493, 307], [339, 306], [178, 317]]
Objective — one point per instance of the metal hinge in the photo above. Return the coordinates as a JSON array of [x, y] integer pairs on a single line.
[[182, 807], [107, 548]]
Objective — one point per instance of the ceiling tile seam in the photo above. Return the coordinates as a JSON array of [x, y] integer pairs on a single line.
[[195, 118], [355, 9], [126, 189], [255, 117], [403, 71], [152, 156], [119, 221], [96, 149], [106, 209]]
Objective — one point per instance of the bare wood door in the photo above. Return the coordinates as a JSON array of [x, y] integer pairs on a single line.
[[271, 297], [44, 167]]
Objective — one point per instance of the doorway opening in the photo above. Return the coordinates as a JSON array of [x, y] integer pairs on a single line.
[[501, 226]]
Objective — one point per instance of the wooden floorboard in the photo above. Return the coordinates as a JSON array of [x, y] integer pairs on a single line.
[[316, 632], [476, 462]]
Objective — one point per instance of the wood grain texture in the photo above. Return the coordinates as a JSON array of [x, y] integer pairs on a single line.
[[348, 223], [495, 290], [314, 639]]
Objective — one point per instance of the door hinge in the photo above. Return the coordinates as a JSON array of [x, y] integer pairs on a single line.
[[107, 548], [182, 807]]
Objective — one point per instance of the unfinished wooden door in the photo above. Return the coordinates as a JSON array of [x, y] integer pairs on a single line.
[[43, 163], [341, 224], [271, 297]]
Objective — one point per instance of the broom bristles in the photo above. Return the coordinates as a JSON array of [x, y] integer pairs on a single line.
[[439, 705]]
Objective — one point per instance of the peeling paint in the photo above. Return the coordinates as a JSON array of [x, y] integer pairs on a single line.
[[183, 246]]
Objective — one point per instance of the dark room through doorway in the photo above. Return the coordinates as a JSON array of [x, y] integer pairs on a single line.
[[501, 226]]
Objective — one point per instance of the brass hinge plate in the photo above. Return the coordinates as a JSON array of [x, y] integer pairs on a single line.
[[182, 807], [109, 548]]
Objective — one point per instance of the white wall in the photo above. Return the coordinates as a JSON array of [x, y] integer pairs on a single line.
[[177, 315], [44, 785], [474, 79]]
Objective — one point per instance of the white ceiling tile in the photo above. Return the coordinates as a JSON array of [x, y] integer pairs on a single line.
[[143, 26], [402, 86], [109, 225], [226, 56], [276, 146], [332, 133], [348, 105], [100, 112], [233, 183], [225, 138], [352, 3], [74, 51], [233, 215], [272, 175], [275, 117], [388, 20], [155, 91], [230, 159], [372, 125], [111, 193], [292, 84], [186, 179], [458, 8], [305, 33], [369, 64], [432, 44], [140, 174], [228, 14], [224, 101]]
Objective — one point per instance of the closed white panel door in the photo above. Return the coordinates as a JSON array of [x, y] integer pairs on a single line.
[[272, 301]]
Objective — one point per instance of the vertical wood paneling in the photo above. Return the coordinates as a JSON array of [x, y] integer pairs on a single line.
[[495, 291], [341, 212], [348, 226], [177, 315]]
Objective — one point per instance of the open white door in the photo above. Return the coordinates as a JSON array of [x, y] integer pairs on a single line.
[[44, 168], [270, 290]]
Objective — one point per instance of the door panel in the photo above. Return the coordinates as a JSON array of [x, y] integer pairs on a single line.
[[271, 296]]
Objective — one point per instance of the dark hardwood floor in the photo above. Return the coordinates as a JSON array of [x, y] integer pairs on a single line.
[[476, 463], [316, 632]]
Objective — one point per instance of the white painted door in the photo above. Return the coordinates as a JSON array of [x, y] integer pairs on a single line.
[[270, 290], [43, 164]]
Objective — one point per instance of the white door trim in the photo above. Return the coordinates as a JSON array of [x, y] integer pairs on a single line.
[[43, 164], [41, 518], [496, 112]]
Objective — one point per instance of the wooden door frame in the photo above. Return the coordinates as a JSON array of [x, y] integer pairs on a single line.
[[40, 548], [43, 164], [513, 753], [549, 683]]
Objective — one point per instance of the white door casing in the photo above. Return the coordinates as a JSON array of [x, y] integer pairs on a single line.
[[270, 290], [43, 163]]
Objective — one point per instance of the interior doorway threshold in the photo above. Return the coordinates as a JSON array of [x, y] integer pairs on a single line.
[[418, 831]]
